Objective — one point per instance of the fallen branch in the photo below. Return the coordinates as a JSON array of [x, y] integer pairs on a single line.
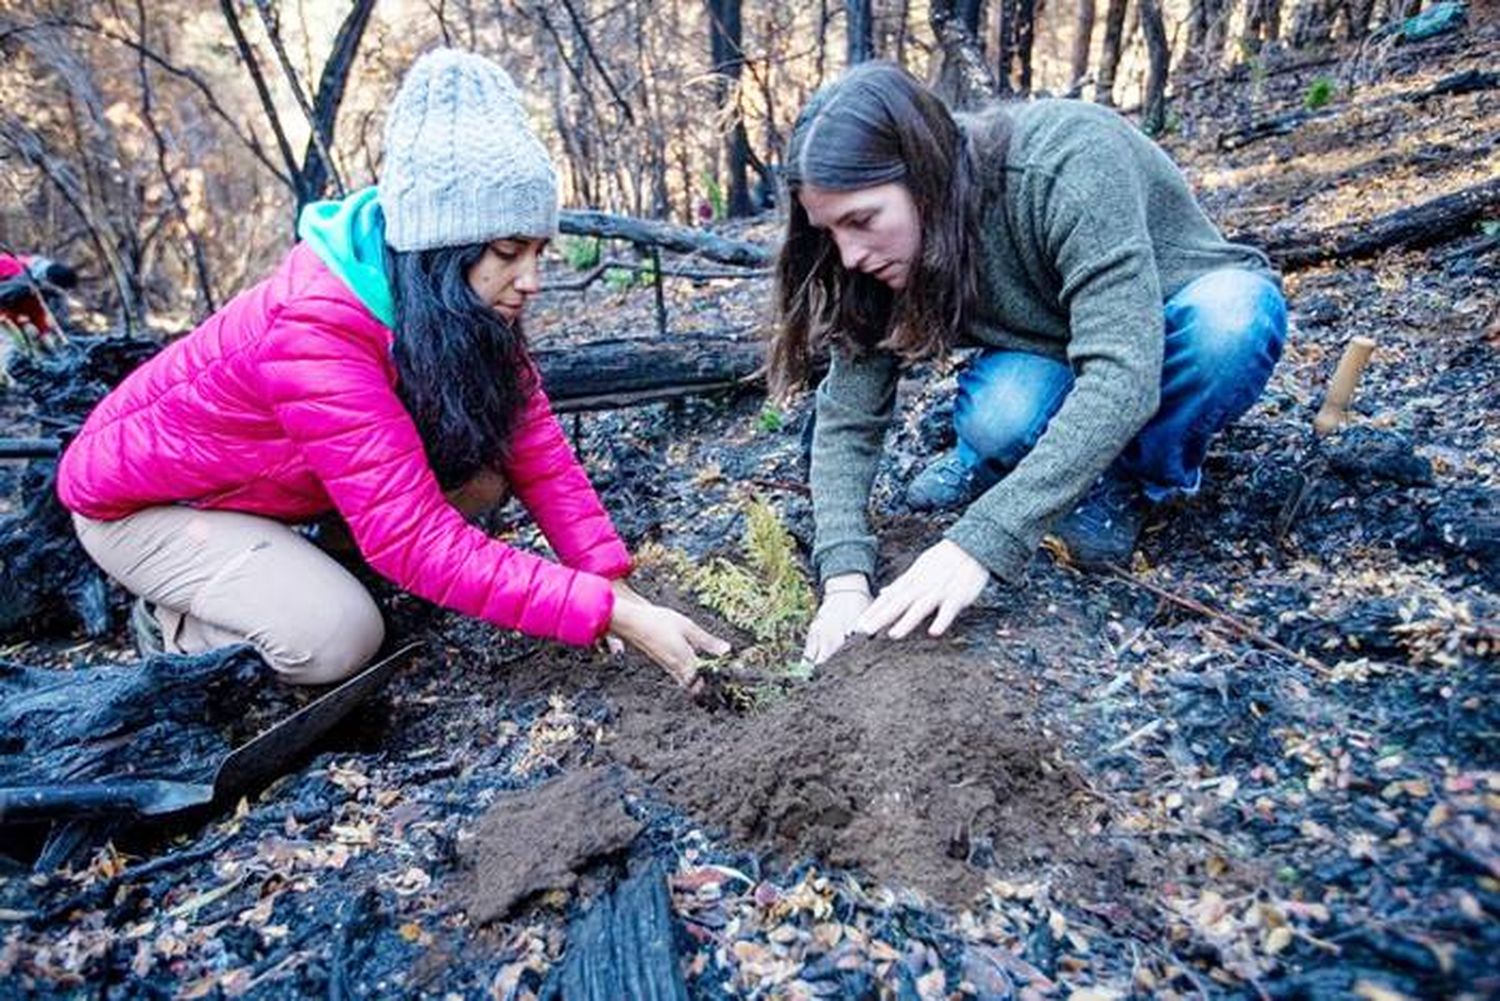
[[1240, 626], [679, 239], [1455, 84], [601, 375], [668, 271], [1414, 226], [104, 890], [1277, 125]]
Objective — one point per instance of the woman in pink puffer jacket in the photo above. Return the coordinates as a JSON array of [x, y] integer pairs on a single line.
[[379, 372]]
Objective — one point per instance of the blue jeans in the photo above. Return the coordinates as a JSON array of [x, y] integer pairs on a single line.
[[1225, 331]]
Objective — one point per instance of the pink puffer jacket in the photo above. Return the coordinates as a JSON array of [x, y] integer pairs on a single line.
[[283, 404]]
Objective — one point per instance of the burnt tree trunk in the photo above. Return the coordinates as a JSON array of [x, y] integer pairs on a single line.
[[332, 82], [1154, 116], [971, 13], [1208, 22], [1083, 37], [1358, 14], [1312, 23], [963, 78], [1262, 24], [725, 37], [859, 25], [1109, 59], [1014, 31]]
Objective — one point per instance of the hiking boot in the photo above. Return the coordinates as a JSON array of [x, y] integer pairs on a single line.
[[1105, 525], [146, 629], [947, 483]]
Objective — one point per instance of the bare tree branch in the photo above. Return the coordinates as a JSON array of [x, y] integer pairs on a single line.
[[267, 103], [290, 72], [195, 242], [191, 76], [31, 148], [588, 48]]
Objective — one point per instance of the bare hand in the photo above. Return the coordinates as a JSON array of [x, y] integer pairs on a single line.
[[843, 604], [670, 639], [623, 592], [944, 580]]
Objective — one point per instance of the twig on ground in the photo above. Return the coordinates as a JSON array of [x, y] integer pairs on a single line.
[[133, 875], [786, 486], [1240, 626]]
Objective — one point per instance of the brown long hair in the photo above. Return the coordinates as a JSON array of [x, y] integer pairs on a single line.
[[874, 125]]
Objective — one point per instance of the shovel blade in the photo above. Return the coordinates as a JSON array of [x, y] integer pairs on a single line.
[[270, 754]]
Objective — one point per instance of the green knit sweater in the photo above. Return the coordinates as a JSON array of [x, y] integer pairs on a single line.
[[1085, 231]]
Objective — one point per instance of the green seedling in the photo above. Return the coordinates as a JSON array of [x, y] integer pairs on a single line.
[[715, 193], [1319, 93], [766, 596], [619, 279], [581, 252], [770, 419]]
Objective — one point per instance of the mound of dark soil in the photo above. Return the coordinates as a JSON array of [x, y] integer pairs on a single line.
[[539, 838], [907, 760]]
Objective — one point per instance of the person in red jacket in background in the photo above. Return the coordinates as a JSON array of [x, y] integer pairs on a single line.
[[31, 298], [380, 372]]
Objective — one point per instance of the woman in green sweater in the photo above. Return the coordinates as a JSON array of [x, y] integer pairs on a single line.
[[1119, 331]]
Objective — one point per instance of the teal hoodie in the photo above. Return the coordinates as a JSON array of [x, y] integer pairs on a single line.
[[348, 235]]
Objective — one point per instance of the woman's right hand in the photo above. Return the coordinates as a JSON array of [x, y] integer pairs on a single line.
[[669, 638], [845, 599]]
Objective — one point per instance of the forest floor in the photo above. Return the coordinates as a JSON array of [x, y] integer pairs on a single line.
[[1088, 790]]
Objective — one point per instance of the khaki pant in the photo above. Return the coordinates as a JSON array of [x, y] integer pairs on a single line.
[[222, 577]]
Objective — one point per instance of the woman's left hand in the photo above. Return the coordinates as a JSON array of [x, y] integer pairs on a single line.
[[944, 579]]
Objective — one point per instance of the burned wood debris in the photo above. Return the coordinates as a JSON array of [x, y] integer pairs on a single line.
[[90, 750], [1136, 800]]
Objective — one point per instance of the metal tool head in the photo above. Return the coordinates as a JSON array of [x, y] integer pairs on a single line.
[[246, 768], [268, 755]]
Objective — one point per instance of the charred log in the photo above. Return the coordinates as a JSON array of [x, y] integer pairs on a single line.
[[47, 581], [622, 946], [95, 740], [1415, 226], [678, 239], [617, 373], [159, 719]]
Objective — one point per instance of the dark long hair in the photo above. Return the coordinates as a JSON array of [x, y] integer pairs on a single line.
[[463, 371], [874, 125]]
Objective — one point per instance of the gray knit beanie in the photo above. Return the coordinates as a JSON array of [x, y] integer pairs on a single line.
[[461, 163]]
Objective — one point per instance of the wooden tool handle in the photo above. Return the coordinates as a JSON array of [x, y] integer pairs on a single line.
[[1341, 387]]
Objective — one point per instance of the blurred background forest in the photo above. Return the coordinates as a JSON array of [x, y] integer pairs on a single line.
[[163, 149]]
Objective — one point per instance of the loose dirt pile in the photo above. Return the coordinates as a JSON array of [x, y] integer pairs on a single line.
[[538, 839], [907, 761]]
